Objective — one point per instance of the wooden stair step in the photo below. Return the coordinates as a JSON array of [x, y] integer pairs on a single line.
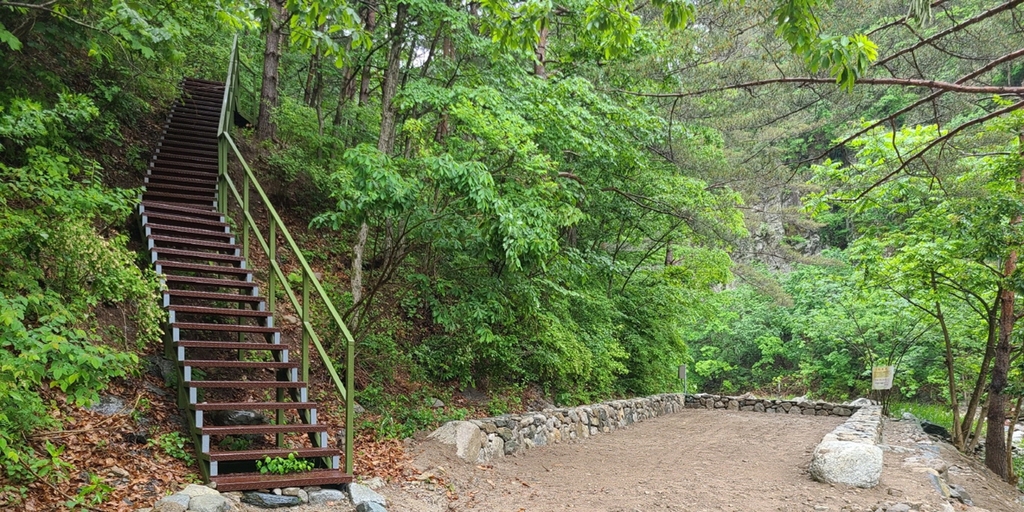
[[157, 206], [231, 345], [246, 384], [226, 297], [180, 188], [257, 406], [197, 255], [302, 453], [247, 481], [184, 218], [163, 265], [192, 242], [228, 430], [199, 326], [154, 226], [182, 180], [159, 194], [209, 281], [213, 363], [202, 310]]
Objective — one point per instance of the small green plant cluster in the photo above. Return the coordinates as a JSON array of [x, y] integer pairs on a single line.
[[173, 444], [94, 492], [402, 415], [235, 443], [282, 465]]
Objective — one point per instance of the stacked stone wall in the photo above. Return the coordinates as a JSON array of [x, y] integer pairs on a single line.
[[483, 439]]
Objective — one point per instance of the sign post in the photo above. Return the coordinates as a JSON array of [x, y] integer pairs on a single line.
[[682, 377]]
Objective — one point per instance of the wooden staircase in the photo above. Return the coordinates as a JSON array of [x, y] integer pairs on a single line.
[[229, 354]]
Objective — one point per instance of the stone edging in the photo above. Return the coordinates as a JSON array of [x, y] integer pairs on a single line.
[[480, 440], [749, 403], [483, 439], [850, 454]]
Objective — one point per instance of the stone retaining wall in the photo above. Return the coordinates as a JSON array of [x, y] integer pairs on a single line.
[[850, 455], [483, 439], [486, 438], [740, 403]]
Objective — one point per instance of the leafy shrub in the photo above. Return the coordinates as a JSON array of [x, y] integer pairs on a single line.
[[283, 466], [173, 444], [59, 259]]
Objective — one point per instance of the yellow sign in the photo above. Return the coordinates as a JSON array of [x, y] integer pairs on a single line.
[[881, 377]]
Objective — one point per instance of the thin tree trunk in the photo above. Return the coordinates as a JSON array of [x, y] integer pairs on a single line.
[[996, 449], [954, 404], [986, 362], [311, 73], [386, 140], [1011, 477], [269, 98], [385, 144], [542, 50], [371, 24]]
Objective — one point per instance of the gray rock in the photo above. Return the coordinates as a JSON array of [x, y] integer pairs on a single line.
[[467, 438], [265, 500], [193, 490], [210, 503], [899, 507], [375, 483], [360, 494], [236, 418], [325, 496], [958, 492], [173, 503], [108, 406], [370, 507], [358, 409], [847, 463], [861, 402], [438, 404]]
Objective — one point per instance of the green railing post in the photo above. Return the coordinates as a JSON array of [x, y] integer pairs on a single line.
[[350, 353], [245, 213], [305, 332], [272, 278]]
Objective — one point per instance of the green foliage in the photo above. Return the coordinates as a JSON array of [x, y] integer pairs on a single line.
[[174, 444], [92, 493], [55, 268], [282, 465], [235, 443], [399, 416]]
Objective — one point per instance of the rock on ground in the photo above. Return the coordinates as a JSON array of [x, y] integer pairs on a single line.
[[847, 463], [210, 503]]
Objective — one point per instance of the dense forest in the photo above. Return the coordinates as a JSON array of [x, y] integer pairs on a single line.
[[566, 198]]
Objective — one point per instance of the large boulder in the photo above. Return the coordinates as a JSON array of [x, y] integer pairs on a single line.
[[467, 438], [848, 463]]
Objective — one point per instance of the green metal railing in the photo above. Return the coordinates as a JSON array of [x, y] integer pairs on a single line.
[[276, 278]]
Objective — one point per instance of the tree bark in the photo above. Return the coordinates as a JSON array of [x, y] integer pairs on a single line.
[[371, 24], [385, 144], [996, 449], [541, 52], [269, 98]]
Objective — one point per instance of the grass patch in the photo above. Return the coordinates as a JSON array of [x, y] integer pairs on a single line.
[[935, 413]]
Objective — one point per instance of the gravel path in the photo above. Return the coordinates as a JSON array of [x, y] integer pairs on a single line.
[[694, 461]]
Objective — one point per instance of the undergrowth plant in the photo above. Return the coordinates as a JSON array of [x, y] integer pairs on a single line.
[[61, 258], [283, 465]]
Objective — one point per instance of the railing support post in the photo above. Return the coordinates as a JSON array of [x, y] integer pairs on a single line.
[[350, 357], [272, 255], [305, 313]]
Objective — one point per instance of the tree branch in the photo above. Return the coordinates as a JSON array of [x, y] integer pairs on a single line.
[[955, 28], [906, 82]]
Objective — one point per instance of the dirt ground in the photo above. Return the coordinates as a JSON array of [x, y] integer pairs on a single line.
[[694, 461]]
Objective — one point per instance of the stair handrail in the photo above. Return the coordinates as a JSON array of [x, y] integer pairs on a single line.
[[225, 146]]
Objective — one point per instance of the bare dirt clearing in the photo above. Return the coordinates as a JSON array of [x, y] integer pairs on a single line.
[[697, 460]]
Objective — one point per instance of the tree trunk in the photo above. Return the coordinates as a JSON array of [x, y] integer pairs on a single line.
[[542, 50], [995, 442], [959, 440], [996, 449], [979, 385], [386, 140], [371, 24], [269, 98], [385, 144]]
